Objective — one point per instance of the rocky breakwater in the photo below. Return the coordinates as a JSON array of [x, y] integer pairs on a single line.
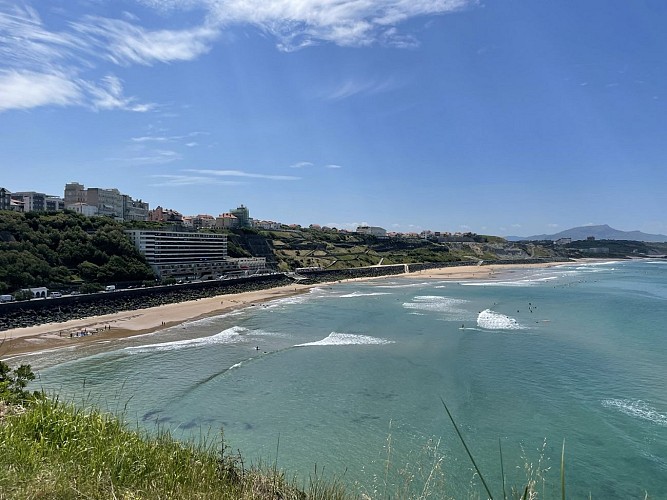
[[354, 272], [37, 312]]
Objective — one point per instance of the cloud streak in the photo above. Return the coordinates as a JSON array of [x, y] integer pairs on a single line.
[[240, 173], [41, 66]]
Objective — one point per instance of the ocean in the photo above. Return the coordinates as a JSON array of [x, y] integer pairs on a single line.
[[350, 379]]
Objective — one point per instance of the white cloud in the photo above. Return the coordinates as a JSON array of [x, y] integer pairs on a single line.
[[300, 23], [123, 42], [302, 164], [240, 173], [109, 95], [188, 180], [333, 166], [350, 88], [66, 58], [150, 157], [27, 89]]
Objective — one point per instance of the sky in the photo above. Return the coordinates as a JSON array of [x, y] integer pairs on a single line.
[[500, 117]]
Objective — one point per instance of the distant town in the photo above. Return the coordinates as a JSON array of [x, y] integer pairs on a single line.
[[110, 202]]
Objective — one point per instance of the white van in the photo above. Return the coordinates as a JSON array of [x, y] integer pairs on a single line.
[[110, 288]]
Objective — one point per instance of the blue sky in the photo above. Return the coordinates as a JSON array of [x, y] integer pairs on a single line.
[[499, 117]]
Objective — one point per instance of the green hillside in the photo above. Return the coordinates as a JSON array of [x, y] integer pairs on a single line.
[[65, 250]]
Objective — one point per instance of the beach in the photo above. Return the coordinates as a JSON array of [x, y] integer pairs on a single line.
[[140, 321]]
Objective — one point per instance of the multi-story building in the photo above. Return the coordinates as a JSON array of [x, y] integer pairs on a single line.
[[107, 202], [75, 193], [183, 254], [242, 214], [160, 214], [226, 221], [5, 199], [203, 221], [38, 202], [134, 209]]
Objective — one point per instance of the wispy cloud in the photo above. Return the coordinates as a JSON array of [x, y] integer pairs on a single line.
[[28, 89], [41, 67], [124, 42], [174, 180], [350, 88], [333, 166], [149, 157], [58, 66], [300, 23], [168, 138], [240, 173], [302, 164]]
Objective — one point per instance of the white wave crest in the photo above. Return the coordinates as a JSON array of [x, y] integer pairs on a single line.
[[363, 294], [336, 338], [407, 285], [225, 337], [436, 303], [518, 283], [638, 409], [491, 320]]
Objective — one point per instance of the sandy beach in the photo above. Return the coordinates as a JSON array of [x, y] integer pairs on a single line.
[[140, 321]]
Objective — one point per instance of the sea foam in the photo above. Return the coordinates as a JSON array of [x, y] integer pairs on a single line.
[[448, 306], [227, 336], [491, 320], [638, 409], [336, 338], [362, 294]]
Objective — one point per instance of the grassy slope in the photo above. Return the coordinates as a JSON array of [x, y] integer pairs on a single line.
[[56, 450]]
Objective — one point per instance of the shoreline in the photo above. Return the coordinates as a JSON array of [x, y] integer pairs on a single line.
[[50, 336]]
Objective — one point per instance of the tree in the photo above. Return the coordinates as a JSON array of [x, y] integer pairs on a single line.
[[13, 383]]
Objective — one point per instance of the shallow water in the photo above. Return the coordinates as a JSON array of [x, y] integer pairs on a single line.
[[352, 374]]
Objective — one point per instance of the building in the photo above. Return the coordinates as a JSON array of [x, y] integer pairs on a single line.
[[226, 221], [107, 202], [373, 231], [134, 209], [242, 214], [183, 254], [5, 199], [82, 208], [160, 214], [269, 225], [74, 193], [203, 221], [38, 202]]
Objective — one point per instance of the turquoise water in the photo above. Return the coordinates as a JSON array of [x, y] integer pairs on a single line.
[[350, 376]]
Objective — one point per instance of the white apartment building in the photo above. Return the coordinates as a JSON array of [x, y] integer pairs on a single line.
[[183, 254]]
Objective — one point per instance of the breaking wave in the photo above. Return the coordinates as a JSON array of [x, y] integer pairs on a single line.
[[362, 294], [491, 320], [336, 338], [436, 303], [227, 336]]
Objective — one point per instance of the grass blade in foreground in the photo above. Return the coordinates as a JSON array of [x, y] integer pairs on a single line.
[[467, 450]]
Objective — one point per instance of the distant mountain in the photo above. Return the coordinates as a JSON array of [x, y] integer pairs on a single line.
[[603, 232]]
